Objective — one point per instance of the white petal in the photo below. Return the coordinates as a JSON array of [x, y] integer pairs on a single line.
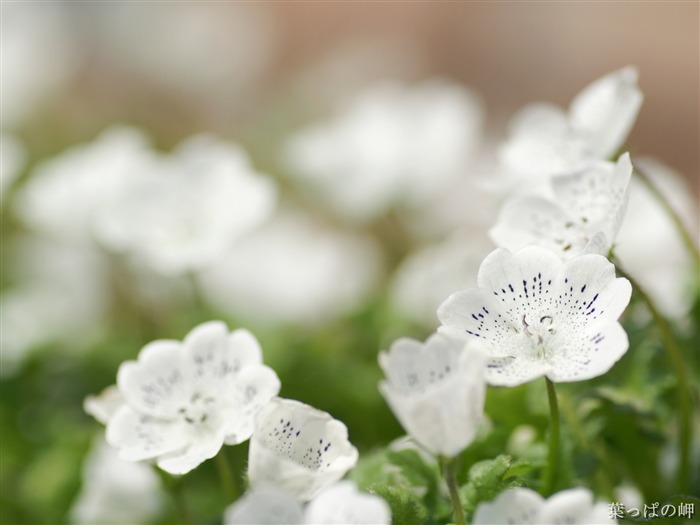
[[142, 437], [103, 406], [514, 371], [156, 384], [589, 354], [518, 505], [605, 111], [568, 506], [343, 504], [205, 444], [265, 506]]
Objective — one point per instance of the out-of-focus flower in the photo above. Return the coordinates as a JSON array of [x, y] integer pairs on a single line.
[[189, 209], [116, 491], [649, 245], [39, 54], [104, 405], [294, 269], [527, 507], [58, 296], [343, 504], [183, 401], [67, 194], [340, 504], [393, 146], [12, 159], [433, 272], [545, 140], [584, 216], [436, 390], [298, 448], [538, 316]]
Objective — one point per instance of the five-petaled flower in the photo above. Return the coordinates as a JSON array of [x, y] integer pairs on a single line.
[[539, 316], [436, 390], [298, 448], [184, 400]]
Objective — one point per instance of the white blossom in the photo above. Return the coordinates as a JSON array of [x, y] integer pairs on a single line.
[[295, 269], [190, 208], [265, 505], [392, 146], [116, 491], [526, 507], [183, 401], [298, 448], [545, 140], [436, 390], [583, 217], [539, 316]]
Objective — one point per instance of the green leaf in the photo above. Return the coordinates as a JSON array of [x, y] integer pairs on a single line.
[[489, 478]]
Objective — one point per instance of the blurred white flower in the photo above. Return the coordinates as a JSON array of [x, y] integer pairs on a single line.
[[39, 54], [427, 276], [183, 401], [545, 140], [104, 405], [526, 507], [66, 195], [116, 491], [213, 52], [188, 210], [298, 448], [340, 504], [583, 217], [538, 316], [59, 296], [649, 246], [294, 269], [436, 390], [343, 504], [393, 146], [12, 160]]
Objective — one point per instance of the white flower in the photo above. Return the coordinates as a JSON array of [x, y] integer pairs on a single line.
[[584, 216], [343, 504], [183, 401], [104, 405], [436, 390], [190, 208], [544, 140], [66, 195], [340, 504], [527, 507], [299, 448], [537, 315], [294, 269], [116, 491], [393, 146]]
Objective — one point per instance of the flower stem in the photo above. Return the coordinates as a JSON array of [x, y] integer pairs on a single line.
[[448, 472], [174, 488], [675, 357], [553, 458], [673, 215], [226, 476]]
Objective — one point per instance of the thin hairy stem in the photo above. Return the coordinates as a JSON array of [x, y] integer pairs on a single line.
[[553, 457], [449, 474]]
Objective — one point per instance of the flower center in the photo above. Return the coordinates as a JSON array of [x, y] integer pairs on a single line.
[[539, 332], [198, 410]]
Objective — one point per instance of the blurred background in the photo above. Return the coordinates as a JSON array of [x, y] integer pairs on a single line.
[[326, 272]]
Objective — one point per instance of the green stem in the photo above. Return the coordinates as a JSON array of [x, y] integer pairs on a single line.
[[553, 458], [174, 487], [448, 472], [675, 357], [226, 476], [673, 215]]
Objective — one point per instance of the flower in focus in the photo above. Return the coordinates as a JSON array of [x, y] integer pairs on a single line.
[[340, 504], [526, 507], [298, 448], [539, 316], [544, 140], [294, 269], [393, 146], [190, 208], [584, 216], [183, 401], [436, 390], [116, 491]]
